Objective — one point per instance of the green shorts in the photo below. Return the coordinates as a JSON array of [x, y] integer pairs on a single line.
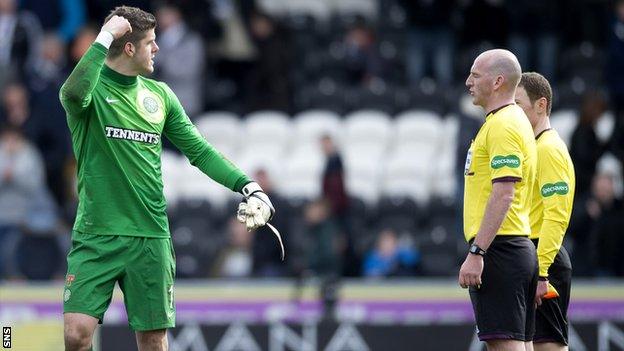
[[144, 268]]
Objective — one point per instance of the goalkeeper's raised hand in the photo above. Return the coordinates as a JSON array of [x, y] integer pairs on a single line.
[[117, 26], [256, 209]]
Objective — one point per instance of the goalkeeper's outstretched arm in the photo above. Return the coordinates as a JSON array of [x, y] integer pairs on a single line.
[[75, 94]]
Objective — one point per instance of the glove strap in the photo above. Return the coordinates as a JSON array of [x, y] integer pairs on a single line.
[[251, 188]]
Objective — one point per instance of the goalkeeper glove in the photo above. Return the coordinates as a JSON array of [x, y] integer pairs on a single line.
[[256, 209]]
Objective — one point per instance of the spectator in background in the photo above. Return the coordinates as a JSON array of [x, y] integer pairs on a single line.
[[64, 17], [430, 40], [181, 58], [21, 180], [235, 259], [390, 257], [49, 128], [595, 230], [334, 190], [20, 36], [362, 61], [615, 78], [43, 125], [585, 148], [86, 36], [534, 36], [268, 83], [605, 211], [324, 251], [266, 250]]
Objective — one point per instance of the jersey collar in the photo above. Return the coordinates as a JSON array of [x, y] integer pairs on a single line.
[[542, 132], [497, 109], [118, 77]]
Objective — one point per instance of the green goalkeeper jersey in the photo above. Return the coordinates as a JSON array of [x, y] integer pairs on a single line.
[[117, 123]]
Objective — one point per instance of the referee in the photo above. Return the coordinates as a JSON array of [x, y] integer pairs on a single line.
[[500, 269], [553, 196]]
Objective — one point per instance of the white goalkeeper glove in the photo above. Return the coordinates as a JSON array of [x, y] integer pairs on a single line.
[[256, 210]]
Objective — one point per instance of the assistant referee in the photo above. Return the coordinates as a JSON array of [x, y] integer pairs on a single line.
[[551, 208], [501, 266]]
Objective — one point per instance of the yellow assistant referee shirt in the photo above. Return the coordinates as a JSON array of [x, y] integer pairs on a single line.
[[503, 150], [553, 195]]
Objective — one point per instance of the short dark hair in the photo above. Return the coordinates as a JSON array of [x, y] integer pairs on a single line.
[[141, 21], [536, 87]]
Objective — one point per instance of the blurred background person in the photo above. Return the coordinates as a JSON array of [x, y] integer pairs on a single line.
[[585, 147], [235, 260], [267, 84], [63, 17], [430, 40], [325, 243], [390, 257], [22, 179], [181, 58], [20, 37], [362, 61]]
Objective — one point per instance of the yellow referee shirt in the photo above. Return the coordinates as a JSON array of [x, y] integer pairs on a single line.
[[503, 150], [553, 196]]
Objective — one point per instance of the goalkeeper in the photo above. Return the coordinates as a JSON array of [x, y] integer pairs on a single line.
[[121, 234], [551, 208]]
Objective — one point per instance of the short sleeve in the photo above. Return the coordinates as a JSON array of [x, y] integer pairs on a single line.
[[504, 148]]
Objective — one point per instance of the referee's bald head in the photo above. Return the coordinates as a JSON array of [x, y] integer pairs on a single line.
[[500, 62]]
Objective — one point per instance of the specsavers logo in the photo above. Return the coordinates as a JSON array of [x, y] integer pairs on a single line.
[[511, 161], [560, 188], [150, 106]]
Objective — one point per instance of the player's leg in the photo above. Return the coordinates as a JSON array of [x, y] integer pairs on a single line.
[[89, 284], [505, 345], [550, 346], [148, 284], [79, 330], [552, 316], [152, 340]]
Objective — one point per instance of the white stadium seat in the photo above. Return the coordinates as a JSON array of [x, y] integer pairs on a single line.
[[311, 125], [418, 131], [171, 175], [301, 175], [564, 122], [267, 128], [221, 129], [405, 175]]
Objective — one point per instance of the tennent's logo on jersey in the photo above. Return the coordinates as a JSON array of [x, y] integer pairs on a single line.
[[133, 135], [559, 188], [511, 161], [150, 106]]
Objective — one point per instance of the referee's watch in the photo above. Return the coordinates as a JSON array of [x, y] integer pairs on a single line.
[[476, 250]]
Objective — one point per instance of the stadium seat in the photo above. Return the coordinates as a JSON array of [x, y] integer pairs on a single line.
[[362, 173], [311, 125], [417, 130], [367, 127], [267, 129], [445, 179], [439, 253], [196, 185], [604, 126], [221, 129], [406, 175], [301, 175], [400, 213], [564, 122], [171, 175]]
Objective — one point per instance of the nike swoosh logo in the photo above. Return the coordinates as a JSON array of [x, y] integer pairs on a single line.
[[110, 100]]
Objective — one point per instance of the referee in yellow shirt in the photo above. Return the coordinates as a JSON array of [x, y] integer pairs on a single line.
[[501, 266], [553, 196]]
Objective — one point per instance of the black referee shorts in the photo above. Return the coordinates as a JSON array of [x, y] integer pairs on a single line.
[[504, 304], [551, 319]]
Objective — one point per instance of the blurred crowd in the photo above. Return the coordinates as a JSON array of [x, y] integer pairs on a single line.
[[236, 55]]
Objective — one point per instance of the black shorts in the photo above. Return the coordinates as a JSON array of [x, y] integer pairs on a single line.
[[551, 319], [504, 304]]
